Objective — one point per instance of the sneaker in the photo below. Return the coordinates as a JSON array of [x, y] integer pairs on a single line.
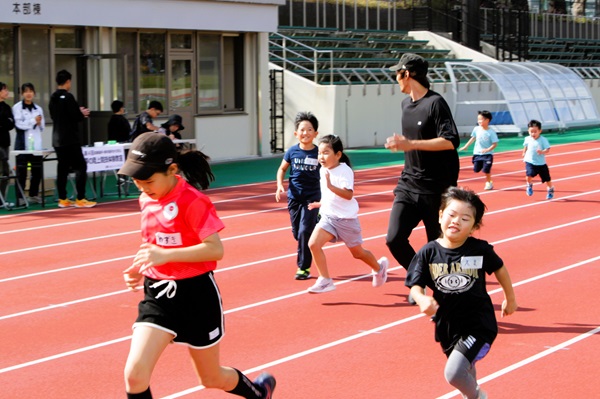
[[267, 383], [83, 203], [550, 193], [322, 285], [411, 300], [380, 277], [530, 190], [482, 395], [35, 199], [488, 185], [65, 203], [7, 205], [21, 202], [302, 274]]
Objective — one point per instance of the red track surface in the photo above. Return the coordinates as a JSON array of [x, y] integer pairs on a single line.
[[65, 315]]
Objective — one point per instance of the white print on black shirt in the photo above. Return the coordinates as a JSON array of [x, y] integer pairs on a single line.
[[454, 279], [305, 164]]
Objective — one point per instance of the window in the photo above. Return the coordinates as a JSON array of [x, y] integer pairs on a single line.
[[126, 45], [218, 64], [221, 72], [209, 73], [35, 57], [7, 60], [233, 71], [67, 38], [181, 41], [152, 69]]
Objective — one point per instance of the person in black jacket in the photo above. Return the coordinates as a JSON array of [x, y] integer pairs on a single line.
[[7, 123], [67, 114]]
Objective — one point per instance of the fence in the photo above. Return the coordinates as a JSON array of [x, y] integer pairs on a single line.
[[448, 17]]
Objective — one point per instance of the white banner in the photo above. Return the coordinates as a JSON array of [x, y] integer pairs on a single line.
[[106, 157]]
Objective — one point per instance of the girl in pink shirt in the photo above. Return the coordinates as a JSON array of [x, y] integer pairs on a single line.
[[180, 250]]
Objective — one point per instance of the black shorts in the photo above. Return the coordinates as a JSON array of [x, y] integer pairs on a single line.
[[483, 162], [190, 309], [532, 170], [472, 347]]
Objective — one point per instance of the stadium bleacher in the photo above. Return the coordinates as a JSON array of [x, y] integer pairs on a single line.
[[570, 52], [330, 56]]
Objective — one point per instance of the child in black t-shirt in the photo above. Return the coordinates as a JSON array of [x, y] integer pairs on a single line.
[[118, 125], [454, 267]]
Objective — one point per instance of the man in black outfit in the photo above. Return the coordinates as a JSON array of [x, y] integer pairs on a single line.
[[429, 140], [66, 115], [7, 123]]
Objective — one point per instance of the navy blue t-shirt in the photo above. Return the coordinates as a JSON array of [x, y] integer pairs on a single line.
[[304, 174]]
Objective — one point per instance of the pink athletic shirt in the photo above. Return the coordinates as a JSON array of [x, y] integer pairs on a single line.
[[183, 218]]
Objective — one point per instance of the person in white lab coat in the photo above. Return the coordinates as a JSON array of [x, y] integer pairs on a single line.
[[29, 124]]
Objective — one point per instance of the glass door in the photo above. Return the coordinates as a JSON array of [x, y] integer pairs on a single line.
[[181, 92], [102, 80]]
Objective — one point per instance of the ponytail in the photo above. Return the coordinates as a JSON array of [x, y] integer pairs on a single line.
[[194, 167], [336, 145]]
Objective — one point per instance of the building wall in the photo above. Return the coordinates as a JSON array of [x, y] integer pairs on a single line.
[[364, 116], [229, 135], [246, 16]]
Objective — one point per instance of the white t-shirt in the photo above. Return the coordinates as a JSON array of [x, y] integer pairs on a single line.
[[341, 176]]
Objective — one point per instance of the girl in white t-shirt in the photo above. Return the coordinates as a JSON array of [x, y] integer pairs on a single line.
[[339, 216]]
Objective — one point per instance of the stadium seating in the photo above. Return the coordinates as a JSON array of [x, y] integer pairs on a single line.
[[330, 56], [565, 51]]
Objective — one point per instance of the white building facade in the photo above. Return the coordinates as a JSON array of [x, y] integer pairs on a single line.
[[204, 60]]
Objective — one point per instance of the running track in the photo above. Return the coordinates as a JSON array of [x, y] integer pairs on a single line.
[[65, 316]]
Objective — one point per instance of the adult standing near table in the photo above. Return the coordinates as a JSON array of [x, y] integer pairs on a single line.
[[29, 124], [429, 140], [7, 123], [66, 115]]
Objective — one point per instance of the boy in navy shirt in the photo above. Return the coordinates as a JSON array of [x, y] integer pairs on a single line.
[[303, 188]]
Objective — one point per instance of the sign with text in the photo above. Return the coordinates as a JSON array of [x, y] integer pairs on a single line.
[[106, 157]]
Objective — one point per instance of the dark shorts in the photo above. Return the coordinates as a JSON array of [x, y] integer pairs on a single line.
[[472, 347], [483, 163], [190, 309], [532, 170]]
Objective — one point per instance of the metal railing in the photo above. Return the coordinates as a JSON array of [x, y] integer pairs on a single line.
[[283, 47], [405, 15]]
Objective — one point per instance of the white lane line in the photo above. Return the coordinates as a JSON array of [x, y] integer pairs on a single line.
[[558, 198], [548, 229], [529, 360], [64, 354], [79, 221], [405, 320], [303, 353]]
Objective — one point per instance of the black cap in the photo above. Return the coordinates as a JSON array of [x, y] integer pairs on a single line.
[[412, 63], [149, 153], [174, 120]]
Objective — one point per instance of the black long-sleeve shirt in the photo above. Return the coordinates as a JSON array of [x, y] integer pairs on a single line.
[[7, 123], [66, 115]]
